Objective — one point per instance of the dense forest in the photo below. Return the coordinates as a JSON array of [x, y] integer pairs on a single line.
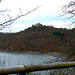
[[39, 38]]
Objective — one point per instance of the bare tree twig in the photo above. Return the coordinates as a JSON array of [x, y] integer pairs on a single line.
[[69, 11], [7, 23], [4, 10]]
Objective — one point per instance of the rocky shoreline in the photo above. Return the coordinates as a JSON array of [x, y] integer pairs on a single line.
[[58, 55]]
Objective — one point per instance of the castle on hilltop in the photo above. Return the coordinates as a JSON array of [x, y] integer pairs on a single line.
[[37, 24]]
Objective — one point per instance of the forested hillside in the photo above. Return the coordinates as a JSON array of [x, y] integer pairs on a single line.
[[39, 39]]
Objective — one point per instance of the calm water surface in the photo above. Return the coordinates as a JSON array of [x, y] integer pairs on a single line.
[[15, 59]]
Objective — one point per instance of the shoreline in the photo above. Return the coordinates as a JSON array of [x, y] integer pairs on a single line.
[[57, 55], [18, 52], [54, 54]]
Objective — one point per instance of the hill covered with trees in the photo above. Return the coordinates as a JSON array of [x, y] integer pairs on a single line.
[[38, 38]]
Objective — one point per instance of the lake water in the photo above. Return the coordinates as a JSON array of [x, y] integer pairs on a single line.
[[16, 59]]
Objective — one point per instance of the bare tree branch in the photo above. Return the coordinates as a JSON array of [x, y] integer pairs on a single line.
[[69, 11], [7, 23], [4, 10]]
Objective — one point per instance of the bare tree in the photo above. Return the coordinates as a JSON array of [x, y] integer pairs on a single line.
[[8, 20], [69, 12]]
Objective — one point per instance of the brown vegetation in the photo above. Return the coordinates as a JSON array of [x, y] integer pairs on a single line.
[[39, 39]]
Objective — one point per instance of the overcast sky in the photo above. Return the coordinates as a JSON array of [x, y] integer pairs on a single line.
[[47, 14]]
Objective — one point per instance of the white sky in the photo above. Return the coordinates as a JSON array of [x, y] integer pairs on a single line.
[[47, 14]]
